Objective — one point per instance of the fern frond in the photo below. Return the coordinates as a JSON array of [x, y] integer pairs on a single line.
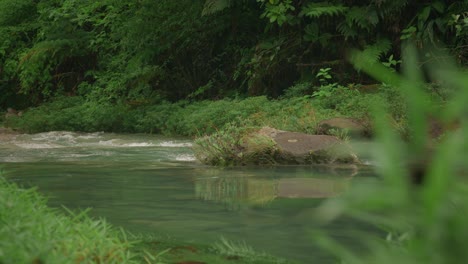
[[379, 48], [386, 7], [458, 7], [362, 17], [315, 10], [372, 53], [347, 30], [214, 6]]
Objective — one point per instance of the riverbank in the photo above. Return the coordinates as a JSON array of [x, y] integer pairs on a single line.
[[6, 133], [299, 112], [31, 232]]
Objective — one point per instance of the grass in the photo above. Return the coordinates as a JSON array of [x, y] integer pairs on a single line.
[[299, 113], [182, 118], [31, 232], [222, 252]]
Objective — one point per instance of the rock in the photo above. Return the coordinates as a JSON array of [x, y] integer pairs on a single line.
[[5, 130], [353, 127], [438, 127], [7, 134], [272, 146], [297, 148], [12, 112]]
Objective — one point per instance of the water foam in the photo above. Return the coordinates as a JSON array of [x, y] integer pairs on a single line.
[[141, 144], [117, 144], [90, 135], [37, 145], [110, 142], [54, 135], [185, 157], [172, 144]]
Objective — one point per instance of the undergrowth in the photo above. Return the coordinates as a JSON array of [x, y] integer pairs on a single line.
[[297, 113]]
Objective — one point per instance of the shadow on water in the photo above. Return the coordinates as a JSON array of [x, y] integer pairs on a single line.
[[270, 208]]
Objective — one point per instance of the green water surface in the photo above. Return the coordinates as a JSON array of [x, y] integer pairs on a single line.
[[153, 185]]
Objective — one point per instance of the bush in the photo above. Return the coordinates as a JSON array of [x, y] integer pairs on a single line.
[[300, 114]]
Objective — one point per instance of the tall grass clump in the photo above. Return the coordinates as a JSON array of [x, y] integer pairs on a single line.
[[209, 117], [31, 232], [221, 147], [244, 252], [421, 203]]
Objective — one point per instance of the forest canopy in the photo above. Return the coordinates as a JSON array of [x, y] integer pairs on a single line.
[[139, 51]]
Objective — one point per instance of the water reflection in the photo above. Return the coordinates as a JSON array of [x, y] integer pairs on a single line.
[[235, 192]]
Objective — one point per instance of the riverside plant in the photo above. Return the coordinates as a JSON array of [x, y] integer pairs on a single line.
[[226, 147], [31, 232], [299, 114], [423, 221], [244, 251]]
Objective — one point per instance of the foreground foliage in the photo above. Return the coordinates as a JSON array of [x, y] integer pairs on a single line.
[[33, 233], [422, 201]]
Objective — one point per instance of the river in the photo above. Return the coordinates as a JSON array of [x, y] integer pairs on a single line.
[[153, 185]]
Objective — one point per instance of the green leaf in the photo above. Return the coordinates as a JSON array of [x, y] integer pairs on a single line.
[[424, 14], [362, 61], [311, 32], [408, 32], [315, 10], [214, 6], [439, 6], [418, 100], [440, 176]]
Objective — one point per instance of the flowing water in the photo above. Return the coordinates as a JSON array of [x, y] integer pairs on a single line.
[[154, 185]]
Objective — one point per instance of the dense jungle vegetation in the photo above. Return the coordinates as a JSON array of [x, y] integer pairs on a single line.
[[119, 65], [195, 67]]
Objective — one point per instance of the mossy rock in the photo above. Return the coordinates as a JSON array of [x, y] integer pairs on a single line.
[[352, 127], [300, 148], [271, 146]]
